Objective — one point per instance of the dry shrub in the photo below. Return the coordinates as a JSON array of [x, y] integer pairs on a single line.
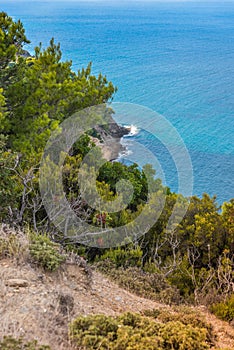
[[145, 284], [13, 243]]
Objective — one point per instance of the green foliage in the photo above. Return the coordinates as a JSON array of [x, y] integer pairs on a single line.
[[82, 146], [199, 242], [12, 39], [9, 184], [228, 224], [2, 110], [184, 315], [39, 93], [93, 330], [10, 343], [111, 173], [132, 331], [6, 180], [127, 257], [202, 229], [36, 95], [45, 94], [45, 253], [178, 336], [181, 279], [10, 190], [225, 309]]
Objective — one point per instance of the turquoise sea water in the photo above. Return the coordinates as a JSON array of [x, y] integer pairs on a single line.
[[176, 58]]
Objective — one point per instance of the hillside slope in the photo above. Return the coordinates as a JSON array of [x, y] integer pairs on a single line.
[[39, 305]]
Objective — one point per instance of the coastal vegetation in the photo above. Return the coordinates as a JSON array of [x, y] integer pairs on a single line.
[[193, 264], [132, 331]]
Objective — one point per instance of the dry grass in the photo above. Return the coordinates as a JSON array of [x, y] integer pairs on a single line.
[[14, 244], [43, 309]]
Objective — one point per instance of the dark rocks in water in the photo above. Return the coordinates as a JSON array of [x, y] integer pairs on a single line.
[[118, 131], [111, 130]]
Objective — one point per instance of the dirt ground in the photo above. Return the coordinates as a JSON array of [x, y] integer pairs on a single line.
[[39, 305]]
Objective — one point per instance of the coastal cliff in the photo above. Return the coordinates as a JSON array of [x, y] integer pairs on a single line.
[[109, 140]]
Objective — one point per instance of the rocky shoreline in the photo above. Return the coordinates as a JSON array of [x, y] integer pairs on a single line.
[[110, 140]]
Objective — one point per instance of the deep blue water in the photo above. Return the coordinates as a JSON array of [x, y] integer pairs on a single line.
[[175, 58]]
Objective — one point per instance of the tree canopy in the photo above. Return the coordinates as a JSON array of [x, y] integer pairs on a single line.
[[36, 95]]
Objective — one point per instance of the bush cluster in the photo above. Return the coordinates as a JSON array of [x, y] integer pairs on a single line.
[[224, 310], [45, 253], [124, 258], [185, 315], [135, 332], [10, 343]]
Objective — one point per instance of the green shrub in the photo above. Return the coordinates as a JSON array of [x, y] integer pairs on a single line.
[[45, 252], [104, 332], [9, 343], [124, 257], [225, 309], [134, 332], [92, 330], [184, 315], [178, 336]]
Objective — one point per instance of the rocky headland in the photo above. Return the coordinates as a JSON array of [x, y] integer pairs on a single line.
[[109, 140]]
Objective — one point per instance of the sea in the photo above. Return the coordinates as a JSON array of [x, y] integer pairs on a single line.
[[175, 58]]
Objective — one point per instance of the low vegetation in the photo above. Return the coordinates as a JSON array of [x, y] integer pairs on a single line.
[[9, 343], [12, 245], [169, 328], [30, 247], [224, 310], [145, 284], [185, 315], [45, 253], [132, 331]]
